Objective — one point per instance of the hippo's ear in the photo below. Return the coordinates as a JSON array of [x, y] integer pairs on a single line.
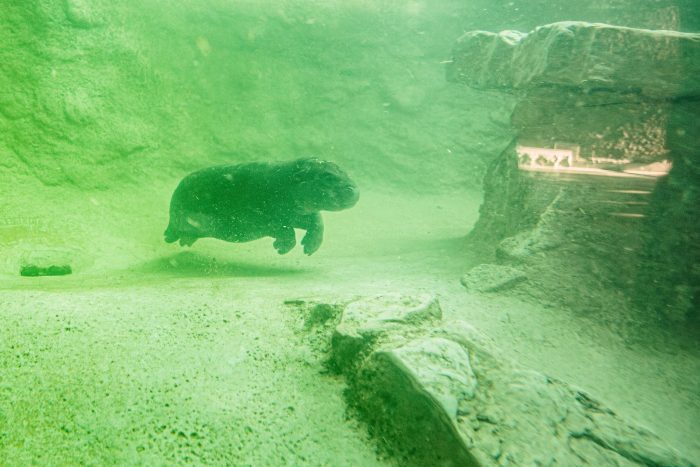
[[303, 167]]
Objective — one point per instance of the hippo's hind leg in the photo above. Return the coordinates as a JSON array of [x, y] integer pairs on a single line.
[[285, 239], [187, 227]]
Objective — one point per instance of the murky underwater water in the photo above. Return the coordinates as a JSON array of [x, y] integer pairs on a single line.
[[460, 248]]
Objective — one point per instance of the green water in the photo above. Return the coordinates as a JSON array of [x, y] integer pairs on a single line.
[[117, 348]]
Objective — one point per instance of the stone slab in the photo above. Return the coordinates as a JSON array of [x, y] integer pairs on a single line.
[[441, 394], [657, 64]]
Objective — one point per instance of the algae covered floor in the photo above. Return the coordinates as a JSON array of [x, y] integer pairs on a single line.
[[164, 375], [193, 355]]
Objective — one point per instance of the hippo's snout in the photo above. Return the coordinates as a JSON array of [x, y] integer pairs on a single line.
[[343, 198], [351, 196]]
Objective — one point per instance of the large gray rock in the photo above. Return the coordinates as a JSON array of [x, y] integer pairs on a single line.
[[662, 64], [441, 394], [410, 395], [367, 319]]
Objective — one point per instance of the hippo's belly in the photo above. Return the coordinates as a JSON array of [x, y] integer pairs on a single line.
[[241, 225]]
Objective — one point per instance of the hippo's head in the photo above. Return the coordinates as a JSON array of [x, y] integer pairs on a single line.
[[322, 186]]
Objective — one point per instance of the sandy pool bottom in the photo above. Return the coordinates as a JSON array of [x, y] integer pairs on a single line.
[[193, 356]]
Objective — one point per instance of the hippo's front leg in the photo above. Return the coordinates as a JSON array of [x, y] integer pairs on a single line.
[[314, 232], [285, 239]]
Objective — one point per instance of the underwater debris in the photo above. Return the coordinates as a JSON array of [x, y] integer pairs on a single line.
[[35, 271], [294, 302], [46, 263], [320, 314]]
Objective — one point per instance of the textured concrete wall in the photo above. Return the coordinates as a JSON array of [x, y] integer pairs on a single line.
[[630, 96], [93, 94]]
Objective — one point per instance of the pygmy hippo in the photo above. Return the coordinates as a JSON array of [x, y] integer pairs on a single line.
[[244, 202]]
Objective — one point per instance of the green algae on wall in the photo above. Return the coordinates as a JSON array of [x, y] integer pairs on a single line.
[[97, 94], [69, 115]]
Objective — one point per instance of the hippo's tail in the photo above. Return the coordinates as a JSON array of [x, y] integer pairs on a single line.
[[170, 234]]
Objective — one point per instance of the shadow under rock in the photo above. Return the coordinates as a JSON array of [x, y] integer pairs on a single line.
[[189, 264]]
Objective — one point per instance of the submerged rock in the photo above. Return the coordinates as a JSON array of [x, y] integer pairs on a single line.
[[443, 395], [46, 263], [363, 321], [525, 244], [441, 366], [492, 278]]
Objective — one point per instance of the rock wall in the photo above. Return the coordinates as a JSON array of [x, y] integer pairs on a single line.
[[668, 281], [105, 106], [95, 94], [574, 199], [78, 94]]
